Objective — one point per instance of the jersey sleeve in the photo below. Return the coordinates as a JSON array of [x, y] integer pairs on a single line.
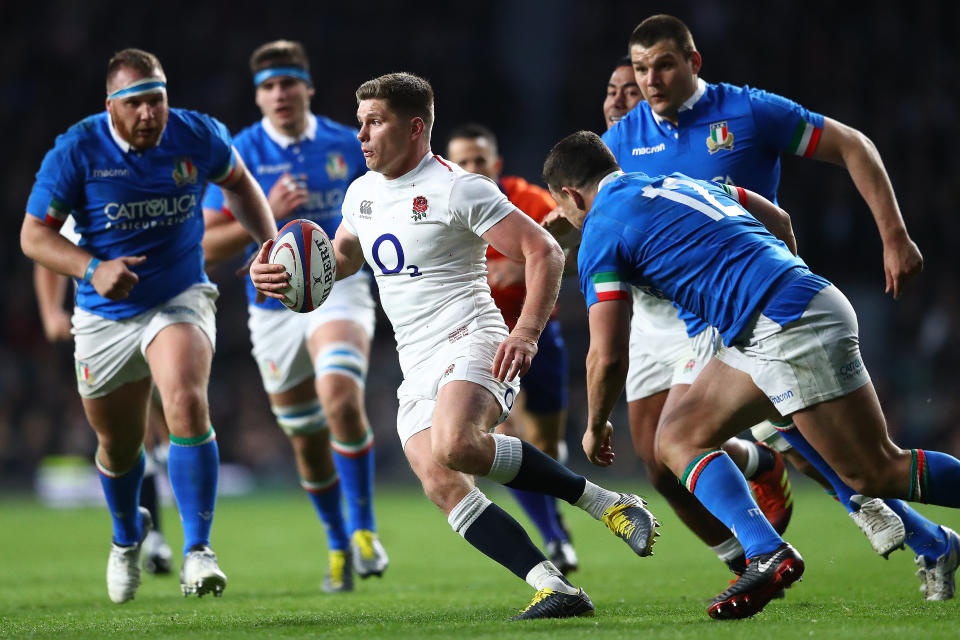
[[789, 127], [346, 210], [477, 203], [602, 275], [58, 189], [222, 154]]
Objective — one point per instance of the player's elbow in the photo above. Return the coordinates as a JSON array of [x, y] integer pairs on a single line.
[[546, 251], [30, 237]]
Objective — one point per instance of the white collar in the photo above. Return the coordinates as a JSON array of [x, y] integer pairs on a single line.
[[688, 104], [283, 139], [607, 179], [123, 144]]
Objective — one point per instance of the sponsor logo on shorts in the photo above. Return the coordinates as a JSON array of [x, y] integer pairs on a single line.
[[449, 370], [419, 208], [645, 151], [177, 309], [691, 363], [83, 373], [851, 370], [458, 333], [272, 370], [366, 209], [780, 397], [508, 397]]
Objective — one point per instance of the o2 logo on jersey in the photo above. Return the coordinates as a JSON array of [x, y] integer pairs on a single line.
[[419, 208], [398, 248]]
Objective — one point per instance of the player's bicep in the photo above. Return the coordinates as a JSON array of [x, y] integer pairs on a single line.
[[517, 235], [349, 252], [836, 140], [610, 326]]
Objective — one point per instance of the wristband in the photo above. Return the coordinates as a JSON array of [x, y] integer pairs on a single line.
[[91, 267]]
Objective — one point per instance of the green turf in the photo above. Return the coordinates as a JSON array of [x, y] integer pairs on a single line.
[[52, 567]]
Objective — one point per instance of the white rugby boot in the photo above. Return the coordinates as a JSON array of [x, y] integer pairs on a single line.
[[123, 565], [201, 575], [883, 528]]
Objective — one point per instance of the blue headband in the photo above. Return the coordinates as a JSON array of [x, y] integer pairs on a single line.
[[294, 72], [146, 85]]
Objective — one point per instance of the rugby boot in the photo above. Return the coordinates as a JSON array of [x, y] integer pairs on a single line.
[[628, 519], [765, 575], [771, 489], [123, 565]]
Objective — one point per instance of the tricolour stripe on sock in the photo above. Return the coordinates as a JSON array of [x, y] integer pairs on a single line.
[[320, 487], [696, 467], [354, 449], [919, 476], [209, 436]]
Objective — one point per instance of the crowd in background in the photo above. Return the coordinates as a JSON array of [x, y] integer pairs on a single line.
[[533, 72]]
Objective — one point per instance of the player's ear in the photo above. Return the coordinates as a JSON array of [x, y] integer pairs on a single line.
[[696, 62], [416, 127], [576, 196], [498, 165]]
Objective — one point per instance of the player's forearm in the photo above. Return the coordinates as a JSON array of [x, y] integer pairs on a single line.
[[606, 376], [45, 246], [223, 240], [870, 177], [543, 268], [249, 206], [50, 288]]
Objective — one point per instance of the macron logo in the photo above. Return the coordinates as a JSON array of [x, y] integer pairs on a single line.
[[644, 151], [110, 173]]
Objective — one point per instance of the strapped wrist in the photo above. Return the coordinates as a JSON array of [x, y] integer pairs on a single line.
[[91, 267]]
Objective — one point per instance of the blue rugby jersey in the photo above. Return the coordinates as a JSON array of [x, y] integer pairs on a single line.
[[129, 202], [688, 241], [724, 133], [328, 154]]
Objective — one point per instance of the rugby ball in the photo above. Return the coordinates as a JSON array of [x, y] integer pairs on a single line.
[[306, 252]]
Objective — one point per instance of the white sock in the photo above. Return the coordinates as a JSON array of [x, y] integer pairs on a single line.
[[547, 576], [595, 499], [728, 549], [753, 460]]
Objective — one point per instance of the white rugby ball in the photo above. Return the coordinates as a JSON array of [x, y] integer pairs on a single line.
[[306, 252]]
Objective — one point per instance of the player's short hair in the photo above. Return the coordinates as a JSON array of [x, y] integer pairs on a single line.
[[405, 93], [623, 61], [143, 62], [579, 160], [663, 27], [472, 131], [279, 53]]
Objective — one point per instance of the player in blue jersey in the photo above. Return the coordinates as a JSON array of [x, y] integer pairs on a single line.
[[313, 365], [132, 177], [790, 348], [736, 135]]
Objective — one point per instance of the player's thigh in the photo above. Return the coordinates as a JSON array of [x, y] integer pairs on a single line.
[[442, 485], [851, 434], [464, 410], [720, 403], [120, 417]]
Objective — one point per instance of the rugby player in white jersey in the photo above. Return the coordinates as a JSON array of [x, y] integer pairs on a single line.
[[423, 225]]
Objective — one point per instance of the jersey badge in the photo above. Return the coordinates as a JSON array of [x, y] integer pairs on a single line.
[[83, 373], [336, 166], [720, 137], [184, 172], [366, 209], [419, 208]]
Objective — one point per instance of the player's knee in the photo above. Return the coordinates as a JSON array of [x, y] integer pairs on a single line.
[[344, 415], [185, 408], [455, 451]]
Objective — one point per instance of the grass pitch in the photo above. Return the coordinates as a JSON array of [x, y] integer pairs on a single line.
[[52, 565]]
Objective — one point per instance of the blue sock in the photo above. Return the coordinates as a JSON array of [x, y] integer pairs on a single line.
[[542, 510], [355, 464], [717, 483], [843, 493], [326, 499], [925, 538], [934, 478], [122, 492], [193, 465]]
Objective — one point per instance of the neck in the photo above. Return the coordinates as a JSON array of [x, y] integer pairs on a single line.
[[294, 129], [409, 162]]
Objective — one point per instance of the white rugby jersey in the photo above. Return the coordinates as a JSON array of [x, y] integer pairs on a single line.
[[420, 234], [655, 317]]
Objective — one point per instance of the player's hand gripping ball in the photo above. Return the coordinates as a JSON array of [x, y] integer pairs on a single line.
[[307, 253]]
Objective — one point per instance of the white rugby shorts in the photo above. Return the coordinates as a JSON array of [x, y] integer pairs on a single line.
[[469, 358], [661, 353], [279, 336], [111, 353], [811, 360]]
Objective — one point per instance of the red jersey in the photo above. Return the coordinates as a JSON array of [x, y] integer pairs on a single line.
[[535, 202]]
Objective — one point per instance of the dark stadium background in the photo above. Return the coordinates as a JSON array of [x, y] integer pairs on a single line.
[[533, 71]]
